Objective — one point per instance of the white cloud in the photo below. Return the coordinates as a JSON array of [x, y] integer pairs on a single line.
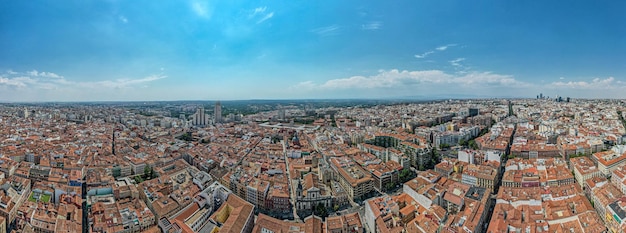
[[440, 48], [258, 10], [305, 85], [423, 55], [489, 79], [11, 82], [444, 47], [372, 26], [457, 62], [26, 82], [266, 17], [201, 9], [121, 83], [260, 15], [609, 87], [410, 79], [327, 31], [49, 75], [442, 84], [35, 73], [394, 82], [594, 84], [35, 80]]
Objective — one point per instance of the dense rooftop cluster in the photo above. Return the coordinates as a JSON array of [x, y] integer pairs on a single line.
[[448, 166]]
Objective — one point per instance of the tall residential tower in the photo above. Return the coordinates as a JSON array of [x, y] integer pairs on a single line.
[[199, 118], [218, 112]]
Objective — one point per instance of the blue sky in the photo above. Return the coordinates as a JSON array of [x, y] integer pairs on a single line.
[[207, 50]]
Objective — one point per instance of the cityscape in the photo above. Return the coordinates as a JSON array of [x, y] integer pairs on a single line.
[[312, 116], [483, 165]]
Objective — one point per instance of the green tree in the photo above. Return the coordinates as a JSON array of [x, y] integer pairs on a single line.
[[186, 137], [146, 171], [404, 175], [473, 144], [579, 154], [389, 186], [486, 130], [320, 210], [435, 158], [463, 142], [336, 208]]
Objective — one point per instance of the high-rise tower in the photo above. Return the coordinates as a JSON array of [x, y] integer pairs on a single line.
[[199, 118], [218, 112]]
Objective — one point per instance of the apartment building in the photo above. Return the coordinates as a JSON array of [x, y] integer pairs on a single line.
[[584, 169], [355, 181], [610, 160]]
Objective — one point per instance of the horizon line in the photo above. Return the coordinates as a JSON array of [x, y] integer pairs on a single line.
[[292, 99]]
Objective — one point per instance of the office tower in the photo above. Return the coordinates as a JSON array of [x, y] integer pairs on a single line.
[[218, 112]]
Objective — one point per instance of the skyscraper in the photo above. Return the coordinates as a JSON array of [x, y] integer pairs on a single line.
[[218, 112]]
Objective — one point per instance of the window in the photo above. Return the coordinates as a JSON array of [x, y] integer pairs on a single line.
[[265, 230]]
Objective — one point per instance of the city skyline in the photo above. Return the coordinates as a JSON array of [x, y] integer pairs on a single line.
[[207, 50]]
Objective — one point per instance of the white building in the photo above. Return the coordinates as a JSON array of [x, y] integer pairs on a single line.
[[610, 160], [584, 169], [200, 118]]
